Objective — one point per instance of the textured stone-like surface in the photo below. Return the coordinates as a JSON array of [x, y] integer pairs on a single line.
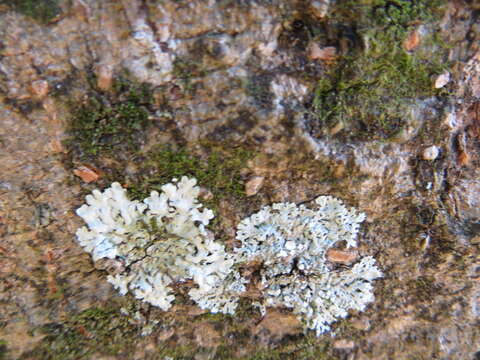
[[244, 82]]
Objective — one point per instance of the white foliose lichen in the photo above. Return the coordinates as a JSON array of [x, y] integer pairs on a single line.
[[159, 242], [291, 242], [162, 241]]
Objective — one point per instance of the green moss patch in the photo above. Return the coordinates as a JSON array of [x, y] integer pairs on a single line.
[[94, 331], [184, 68], [307, 348], [109, 124], [185, 72], [219, 170], [423, 288], [376, 81], [3, 349], [43, 11], [258, 88], [108, 130]]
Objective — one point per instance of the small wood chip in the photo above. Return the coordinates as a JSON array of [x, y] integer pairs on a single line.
[[87, 174], [81, 10], [463, 158], [276, 325], [104, 77], [341, 256], [328, 53], [206, 335], [56, 146], [39, 89], [205, 194], [431, 153], [319, 8], [253, 186], [344, 344], [339, 126], [442, 80], [412, 40]]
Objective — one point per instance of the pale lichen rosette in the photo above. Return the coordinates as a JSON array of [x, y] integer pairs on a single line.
[[291, 242], [159, 242]]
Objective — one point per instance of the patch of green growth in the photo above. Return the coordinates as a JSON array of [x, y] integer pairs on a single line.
[[3, 349], [377, 81], [265, 354], [183, 69], [213, 317], [258, 88], [308, 348], [314, 350], [344, 329], [186, 71], [386, 295], [423, 288], [426, 230], [177, 352], [94, 331], [59, 292], [412, 229], [219, 171], [109, 124], [43, 11], [246, 310], [235, 323], [224, 352], [400, 13]]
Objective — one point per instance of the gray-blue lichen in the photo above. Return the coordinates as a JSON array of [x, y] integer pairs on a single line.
[[291, 242]]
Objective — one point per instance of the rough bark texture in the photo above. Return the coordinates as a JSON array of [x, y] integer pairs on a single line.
[[290, 99]]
